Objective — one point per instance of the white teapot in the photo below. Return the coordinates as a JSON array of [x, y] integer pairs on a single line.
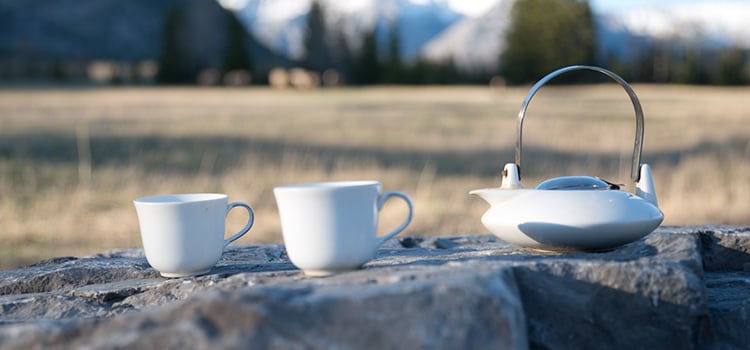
[[573, 212]]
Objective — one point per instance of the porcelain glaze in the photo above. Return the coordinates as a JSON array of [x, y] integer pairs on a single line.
[[568, 219], [183, 234], [331, 227]]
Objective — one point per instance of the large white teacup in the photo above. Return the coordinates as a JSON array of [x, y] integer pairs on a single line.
[[330, 227], [183, 234]]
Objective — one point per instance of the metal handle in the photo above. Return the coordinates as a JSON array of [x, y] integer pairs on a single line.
[[637, 148]]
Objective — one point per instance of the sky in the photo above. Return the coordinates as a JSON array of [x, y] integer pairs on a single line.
[[611, 6], [476, 7], [472, 7]]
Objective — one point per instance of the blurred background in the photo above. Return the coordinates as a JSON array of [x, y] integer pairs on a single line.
[[104, 101]]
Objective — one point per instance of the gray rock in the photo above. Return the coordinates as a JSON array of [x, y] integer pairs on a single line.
[[655, 300], [419, 292], [725, 249], [729, 304]]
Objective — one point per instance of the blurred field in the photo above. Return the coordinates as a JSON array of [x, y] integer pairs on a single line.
[[72, 160]]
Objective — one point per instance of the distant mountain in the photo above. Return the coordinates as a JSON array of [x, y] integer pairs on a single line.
[[82, 29], [280, 24], [51, 31], [474, 43], [707, 25], [42, 34], [433, 30]]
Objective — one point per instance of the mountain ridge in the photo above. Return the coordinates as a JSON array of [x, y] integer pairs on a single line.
[[45, 33], [474, 43], [279, 24]]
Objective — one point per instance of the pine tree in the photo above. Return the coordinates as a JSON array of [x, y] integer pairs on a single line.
[[367, 68], [236, 56], [317, 56], [172, 70], [545, 35], [393, 69], [341, 55], [730, 66]]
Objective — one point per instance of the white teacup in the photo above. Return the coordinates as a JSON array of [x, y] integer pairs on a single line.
[[330, 227], [183, 234]]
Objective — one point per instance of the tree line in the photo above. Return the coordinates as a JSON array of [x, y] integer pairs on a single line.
[[365, 60], [549, 34], [542, 35]]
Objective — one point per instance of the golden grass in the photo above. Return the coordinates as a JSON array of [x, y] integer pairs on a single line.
[[72, 160]]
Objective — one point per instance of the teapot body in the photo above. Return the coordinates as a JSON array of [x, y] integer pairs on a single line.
[[568, 220]]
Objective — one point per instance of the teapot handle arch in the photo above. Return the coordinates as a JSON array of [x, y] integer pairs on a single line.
[[638, 145]]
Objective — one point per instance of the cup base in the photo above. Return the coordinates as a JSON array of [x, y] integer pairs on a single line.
[[183, 274]]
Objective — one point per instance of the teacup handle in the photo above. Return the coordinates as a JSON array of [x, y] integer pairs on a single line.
[[250, 220], [381, 201]]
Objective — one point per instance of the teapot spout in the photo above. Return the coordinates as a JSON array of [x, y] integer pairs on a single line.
[[491, 195], [511, 181], [494, 196], [644, 188]]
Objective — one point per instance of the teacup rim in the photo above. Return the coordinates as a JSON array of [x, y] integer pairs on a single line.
[[329, 185], [177, 198]]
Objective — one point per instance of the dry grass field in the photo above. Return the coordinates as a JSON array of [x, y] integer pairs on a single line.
[[72, 160]]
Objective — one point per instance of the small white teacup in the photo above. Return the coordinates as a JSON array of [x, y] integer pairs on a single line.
[[183, 234], [331, 227]]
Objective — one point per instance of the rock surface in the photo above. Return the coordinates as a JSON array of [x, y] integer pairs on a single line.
[[680, 287]]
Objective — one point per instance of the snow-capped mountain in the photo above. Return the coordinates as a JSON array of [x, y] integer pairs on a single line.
[[434, 30], [474, 43], [280, 24], [709, 25]]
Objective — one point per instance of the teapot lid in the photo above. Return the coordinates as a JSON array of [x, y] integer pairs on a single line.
[[572, 183]]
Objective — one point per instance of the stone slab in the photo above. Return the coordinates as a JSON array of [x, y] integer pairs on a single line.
[[674, 288]]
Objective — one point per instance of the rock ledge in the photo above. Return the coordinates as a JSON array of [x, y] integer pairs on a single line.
[[680, 287]]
